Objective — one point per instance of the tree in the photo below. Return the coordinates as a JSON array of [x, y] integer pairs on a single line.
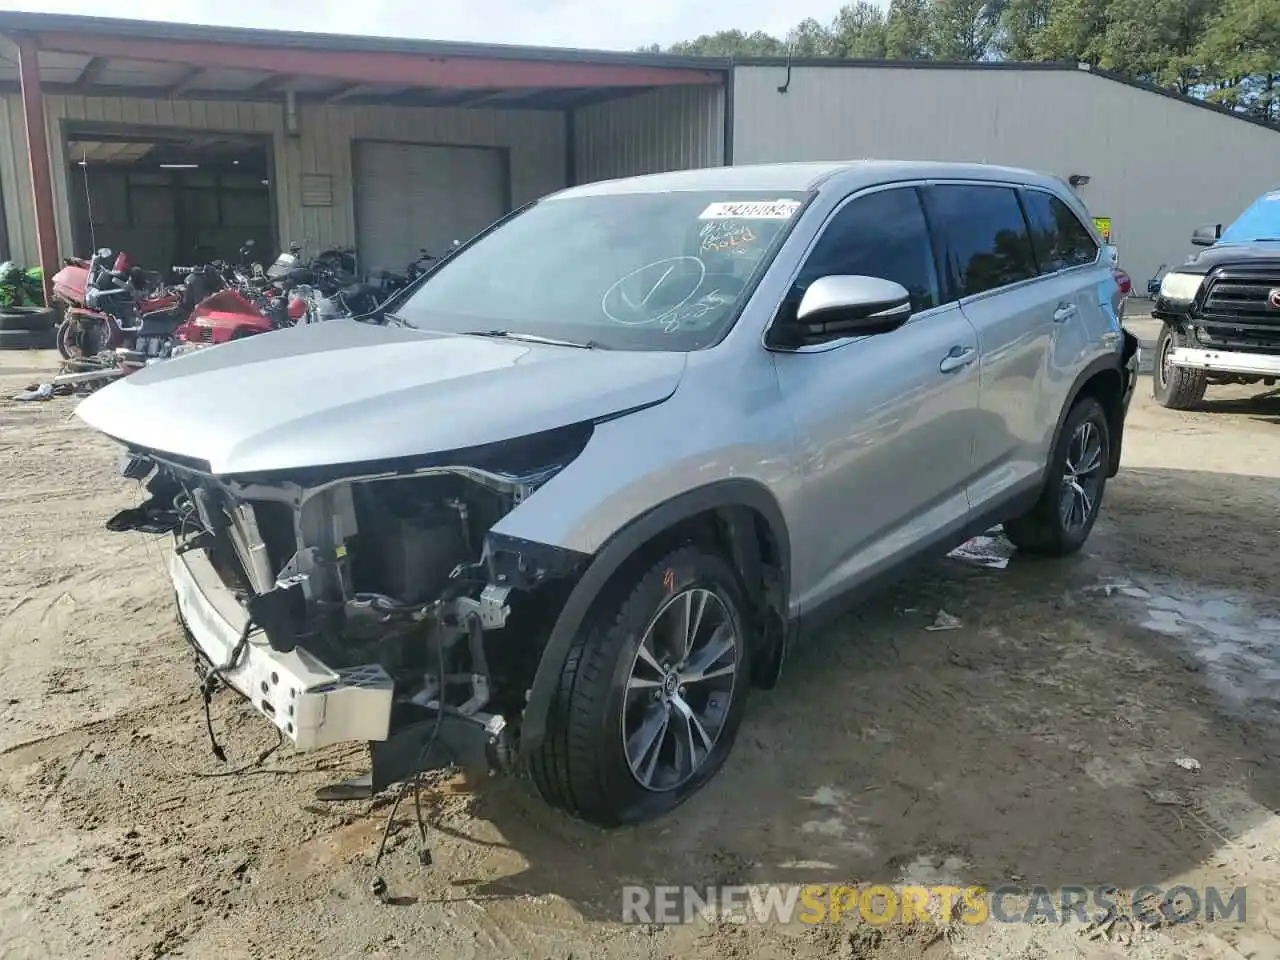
[[1240, 52], [1074, 32], [907, 30], [1155, 40], [963, 29], [1022, 22], [1224, 50], [731, 43], [859, 32]]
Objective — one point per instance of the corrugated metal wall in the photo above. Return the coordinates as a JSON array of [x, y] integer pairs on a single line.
[[675, 128], [535, 141], [1158, 167]]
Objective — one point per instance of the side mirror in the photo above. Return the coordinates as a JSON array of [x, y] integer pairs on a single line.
[[1206, 236], [849, 306]]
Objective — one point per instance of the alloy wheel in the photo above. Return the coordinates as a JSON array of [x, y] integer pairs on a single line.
[[1165, 366], [679, 689], [1082, 477]]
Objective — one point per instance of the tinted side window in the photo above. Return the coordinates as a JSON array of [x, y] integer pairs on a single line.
[[984, 237], [1059, 238], [880, 235]]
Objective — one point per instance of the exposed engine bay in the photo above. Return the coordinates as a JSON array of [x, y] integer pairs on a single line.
[[374, 607]]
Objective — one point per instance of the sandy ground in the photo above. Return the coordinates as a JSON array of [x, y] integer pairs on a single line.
[[1034, 745]]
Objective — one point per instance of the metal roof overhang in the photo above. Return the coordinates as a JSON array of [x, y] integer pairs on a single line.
[[90, 56]]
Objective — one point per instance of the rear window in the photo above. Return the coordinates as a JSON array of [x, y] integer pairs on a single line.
[[984, 237], [1060, 240]]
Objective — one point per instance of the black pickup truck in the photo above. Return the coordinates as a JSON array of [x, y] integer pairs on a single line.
[[1221, 309]]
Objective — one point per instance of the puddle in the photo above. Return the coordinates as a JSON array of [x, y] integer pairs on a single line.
[[1238, 645]]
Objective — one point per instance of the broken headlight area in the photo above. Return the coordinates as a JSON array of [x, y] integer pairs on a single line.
[[373, 606]]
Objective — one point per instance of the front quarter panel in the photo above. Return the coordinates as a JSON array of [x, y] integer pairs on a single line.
[[723, 423]]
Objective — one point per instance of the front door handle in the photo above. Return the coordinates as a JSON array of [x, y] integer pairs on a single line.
[[957, 359], [1065, 312]]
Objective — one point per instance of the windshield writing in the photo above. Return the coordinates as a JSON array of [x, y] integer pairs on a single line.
[[644, 271]]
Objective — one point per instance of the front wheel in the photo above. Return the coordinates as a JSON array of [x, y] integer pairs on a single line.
[[1063, 518], [1177, 388], [651, 696]]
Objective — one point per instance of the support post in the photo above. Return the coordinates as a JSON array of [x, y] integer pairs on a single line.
[[38, 154]]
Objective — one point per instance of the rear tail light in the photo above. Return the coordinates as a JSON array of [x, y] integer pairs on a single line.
[[1123, 280]]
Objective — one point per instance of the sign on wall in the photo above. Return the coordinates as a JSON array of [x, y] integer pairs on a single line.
[[1103, 226]]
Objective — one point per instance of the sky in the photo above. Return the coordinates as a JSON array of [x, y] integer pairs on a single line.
[[607, 25]]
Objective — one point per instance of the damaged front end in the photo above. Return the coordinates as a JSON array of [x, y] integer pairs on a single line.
[[369, 602]]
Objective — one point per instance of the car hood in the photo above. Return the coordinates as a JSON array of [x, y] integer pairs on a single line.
[[1225, 254], [347, 392]]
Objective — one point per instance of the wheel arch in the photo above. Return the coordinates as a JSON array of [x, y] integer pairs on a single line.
[[746, 521], [1104, 380]]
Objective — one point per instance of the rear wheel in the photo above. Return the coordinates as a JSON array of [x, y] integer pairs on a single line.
[[651, 696], [81, 340], [1063, 518], [1178, 388]]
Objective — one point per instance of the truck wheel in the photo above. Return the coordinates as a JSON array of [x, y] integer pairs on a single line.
[[1062, 519], [1178, 388], [650, 696]]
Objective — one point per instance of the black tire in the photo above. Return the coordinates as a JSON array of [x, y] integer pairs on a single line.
[[1177, 388], [37, 319], [27, 340], [582, 765], [1044, 529]]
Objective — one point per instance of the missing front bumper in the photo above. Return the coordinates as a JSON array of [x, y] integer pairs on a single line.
[[310, 703]]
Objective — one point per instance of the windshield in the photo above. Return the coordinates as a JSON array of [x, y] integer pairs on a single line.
[[641, 271], [1261, 221]]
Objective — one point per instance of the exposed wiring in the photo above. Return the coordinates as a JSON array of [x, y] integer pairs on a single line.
[[378, 885], [243, 768], [214, 676]]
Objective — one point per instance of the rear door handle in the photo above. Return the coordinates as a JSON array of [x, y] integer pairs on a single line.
[[1065, 312], [957, 358]]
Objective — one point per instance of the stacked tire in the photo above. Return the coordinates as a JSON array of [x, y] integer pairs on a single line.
[[28, 328]]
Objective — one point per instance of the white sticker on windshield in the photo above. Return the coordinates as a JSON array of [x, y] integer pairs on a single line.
[[751, 210]]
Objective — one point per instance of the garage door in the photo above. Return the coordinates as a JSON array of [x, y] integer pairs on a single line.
[[410, 197]]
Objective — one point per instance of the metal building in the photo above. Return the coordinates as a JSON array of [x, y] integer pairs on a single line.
[[179, 142]]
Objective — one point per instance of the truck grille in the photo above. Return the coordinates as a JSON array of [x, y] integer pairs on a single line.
[[1236, 313]]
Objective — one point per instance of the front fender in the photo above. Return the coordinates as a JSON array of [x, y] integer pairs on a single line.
[[610, 558]]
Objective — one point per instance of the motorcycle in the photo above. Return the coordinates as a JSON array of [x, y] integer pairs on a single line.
[[251, 301], [389, 282], [108, 308], [116, 327]]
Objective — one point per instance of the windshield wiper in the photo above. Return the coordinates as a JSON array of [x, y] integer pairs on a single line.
[[532, 338], [397, 320]]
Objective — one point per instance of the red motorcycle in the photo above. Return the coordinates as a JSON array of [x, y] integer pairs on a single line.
[[132, 330], [232, 314], [106, 309]]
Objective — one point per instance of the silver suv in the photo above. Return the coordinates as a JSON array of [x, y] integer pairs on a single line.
[[588, 481]]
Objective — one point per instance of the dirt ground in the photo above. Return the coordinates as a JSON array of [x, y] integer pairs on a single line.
[[1033, 745]]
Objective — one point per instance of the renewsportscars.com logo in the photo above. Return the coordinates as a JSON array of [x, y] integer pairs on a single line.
[[883, 904]]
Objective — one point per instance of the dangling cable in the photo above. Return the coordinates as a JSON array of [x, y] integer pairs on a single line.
[[378, 885], [88, 199]]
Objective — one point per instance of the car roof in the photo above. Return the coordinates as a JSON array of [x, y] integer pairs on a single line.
[[802, 177]]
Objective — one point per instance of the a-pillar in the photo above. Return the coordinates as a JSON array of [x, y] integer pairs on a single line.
[[38, 154]]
